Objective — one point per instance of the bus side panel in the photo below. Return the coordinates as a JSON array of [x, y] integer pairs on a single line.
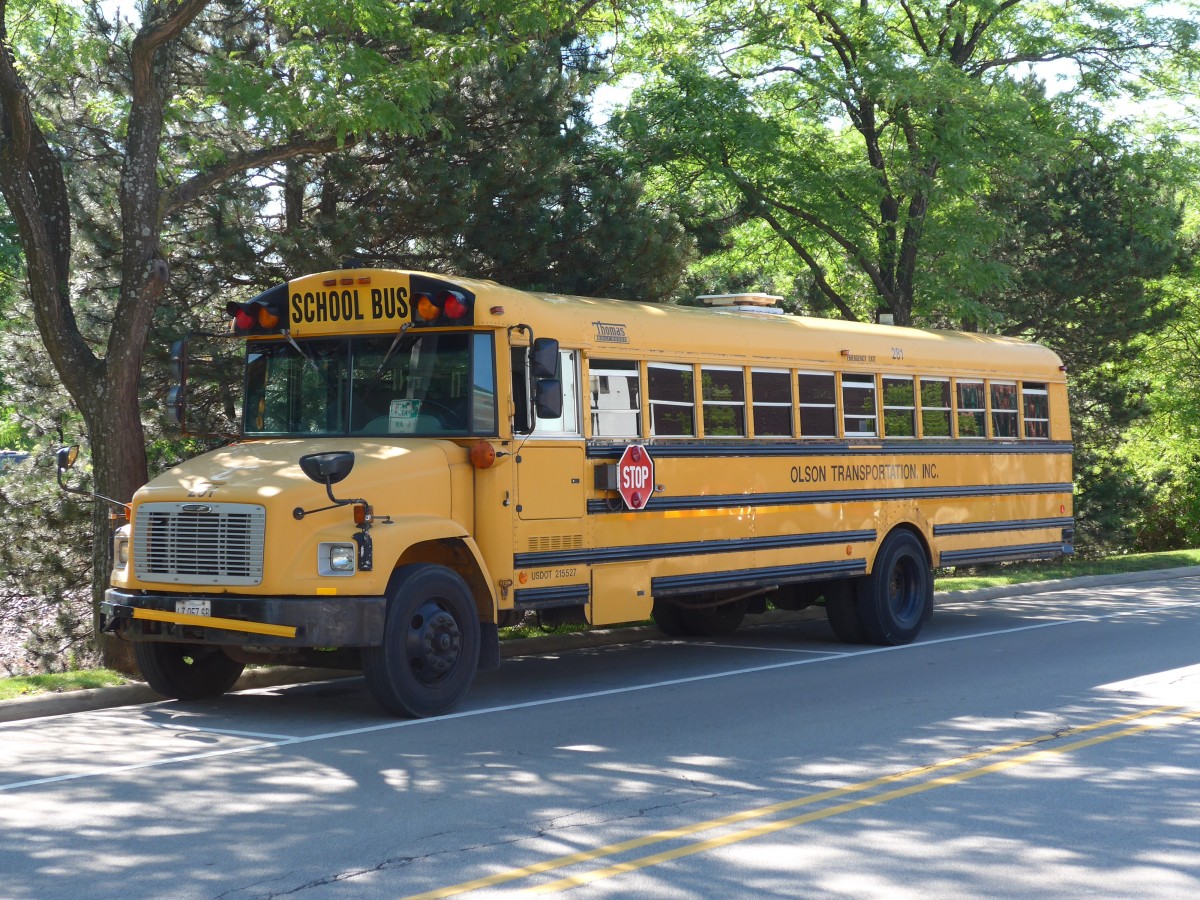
[[620, 593]]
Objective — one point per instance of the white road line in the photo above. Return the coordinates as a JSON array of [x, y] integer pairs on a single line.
[[175, 726], [572, 698], [829, 653]]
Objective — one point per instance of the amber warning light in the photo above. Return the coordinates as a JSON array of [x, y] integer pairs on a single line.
[[262, 315], [442, 308]]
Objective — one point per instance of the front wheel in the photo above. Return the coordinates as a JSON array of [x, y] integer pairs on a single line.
[[430, 649], [892, 601], [186, 671]]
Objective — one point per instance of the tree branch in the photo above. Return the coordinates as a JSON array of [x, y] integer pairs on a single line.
[[152, 36], [198, 184], [1072, 53], [34, 187], [817, 270], [915, 26]]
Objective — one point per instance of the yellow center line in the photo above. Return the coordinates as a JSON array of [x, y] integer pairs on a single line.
[[762, 811], [853, 805]]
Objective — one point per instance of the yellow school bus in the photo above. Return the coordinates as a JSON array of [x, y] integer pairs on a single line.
[[426, 458]]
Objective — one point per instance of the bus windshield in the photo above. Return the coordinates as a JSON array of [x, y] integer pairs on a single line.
[[426, 384]]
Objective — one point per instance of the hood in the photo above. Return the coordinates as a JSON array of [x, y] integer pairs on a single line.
[[261, 471]]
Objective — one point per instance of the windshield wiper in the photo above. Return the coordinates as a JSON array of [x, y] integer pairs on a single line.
[[387, 357]]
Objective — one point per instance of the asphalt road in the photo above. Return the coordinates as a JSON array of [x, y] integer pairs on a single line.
[[1031, 745]]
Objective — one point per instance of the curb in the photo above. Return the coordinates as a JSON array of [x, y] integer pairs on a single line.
[[43, 705]]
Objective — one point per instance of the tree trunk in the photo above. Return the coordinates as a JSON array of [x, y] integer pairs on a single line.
[[118, 448]]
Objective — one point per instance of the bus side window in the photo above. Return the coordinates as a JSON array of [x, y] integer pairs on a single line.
[[935, 407], [972, 418], [858, 405], [520, 389], [568, 422], [1036, 401], [772, 402], [672, 400], [723, 391], [615, 391], [818, 404], [899, 407], [1004, 409]]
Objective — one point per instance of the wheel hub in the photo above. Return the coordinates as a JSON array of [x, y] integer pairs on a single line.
[[435, 641]]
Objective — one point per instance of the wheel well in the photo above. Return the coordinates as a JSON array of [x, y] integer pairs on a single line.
[[915, 532], [454, 554]]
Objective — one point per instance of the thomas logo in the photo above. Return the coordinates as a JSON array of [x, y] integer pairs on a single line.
[[609, 333]]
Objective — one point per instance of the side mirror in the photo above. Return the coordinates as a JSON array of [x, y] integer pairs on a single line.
[[548, 398], [177, 393], [176, 402], [65, 457], [544, 358], [327, 468]]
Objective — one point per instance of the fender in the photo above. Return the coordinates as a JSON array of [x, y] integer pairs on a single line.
[[433, 539]]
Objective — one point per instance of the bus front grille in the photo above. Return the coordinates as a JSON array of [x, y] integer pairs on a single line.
[[199, 543]]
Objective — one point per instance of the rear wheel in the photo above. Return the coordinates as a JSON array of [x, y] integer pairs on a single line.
[[893, 600], [715, 621], [842, 612], [186, 671], [430, 649], [669, 619]]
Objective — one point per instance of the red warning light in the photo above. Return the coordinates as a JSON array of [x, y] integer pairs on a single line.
[[454, 304]]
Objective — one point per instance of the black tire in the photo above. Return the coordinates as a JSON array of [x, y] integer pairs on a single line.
[[715, 621], [430, 649], [892, 601], [842, 612], [669, 619], [186, 671], [793, 597]]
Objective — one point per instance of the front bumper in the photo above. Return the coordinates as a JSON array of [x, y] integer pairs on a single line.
[[245, 620]]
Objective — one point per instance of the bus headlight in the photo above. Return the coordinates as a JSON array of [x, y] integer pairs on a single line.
[[336, 558], [121, 547]]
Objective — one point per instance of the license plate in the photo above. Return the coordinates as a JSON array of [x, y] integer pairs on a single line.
[[193, 607]]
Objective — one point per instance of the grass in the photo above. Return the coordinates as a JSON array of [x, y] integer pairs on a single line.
[[58, 682], [993, 576], [1022, 573]]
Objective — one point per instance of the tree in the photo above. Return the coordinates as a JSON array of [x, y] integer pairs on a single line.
[[863, 136], [1090, 240], [512, 185], [110, 131]]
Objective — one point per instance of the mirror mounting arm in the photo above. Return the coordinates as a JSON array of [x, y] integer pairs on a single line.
[[65, 459]]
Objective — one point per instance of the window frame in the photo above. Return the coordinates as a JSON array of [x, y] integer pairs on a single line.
[[638, 410], [912, 410], [1039, 389], [948, 410], [568, 373], [960, 410], [755, 403], [705, 404], [1015, 412], [651, 403], [859, 381], [801, 405]]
